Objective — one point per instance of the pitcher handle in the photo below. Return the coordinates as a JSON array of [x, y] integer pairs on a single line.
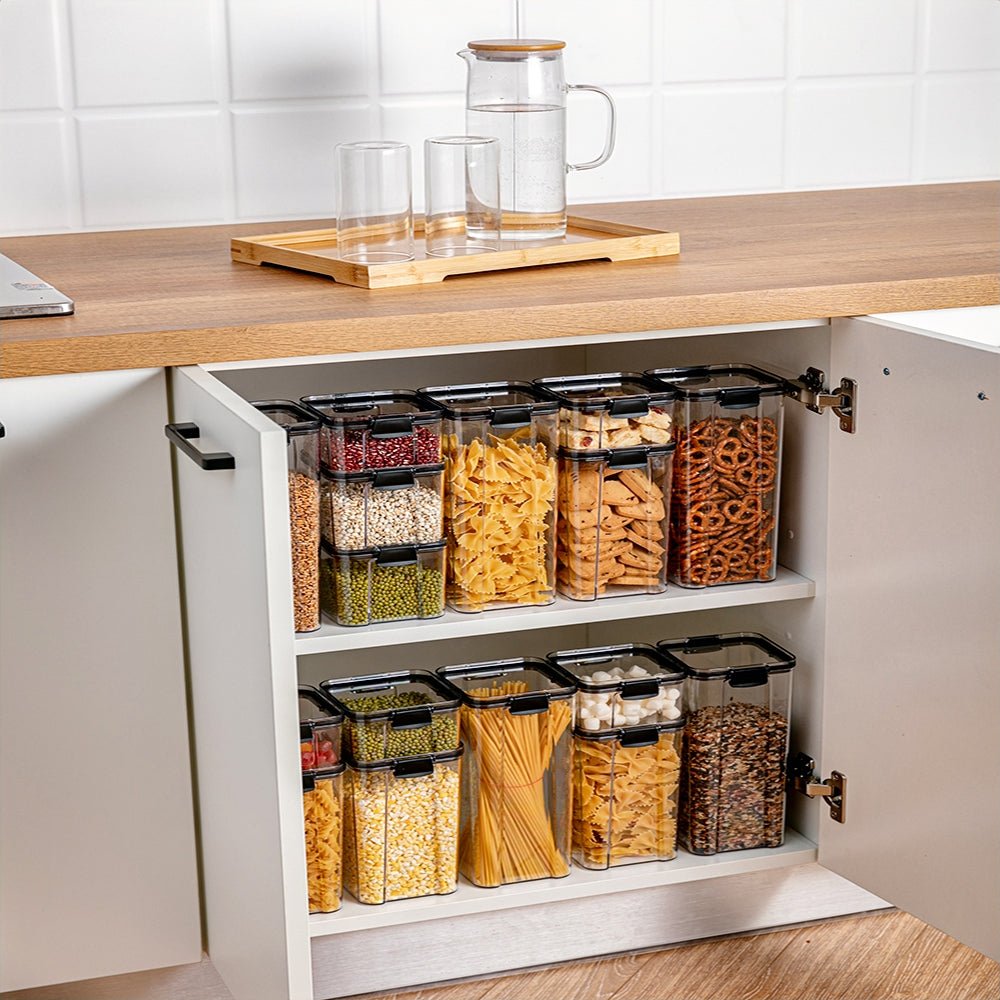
[[609, 143]]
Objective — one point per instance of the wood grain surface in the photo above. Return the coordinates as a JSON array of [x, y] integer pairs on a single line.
[[173, 296]]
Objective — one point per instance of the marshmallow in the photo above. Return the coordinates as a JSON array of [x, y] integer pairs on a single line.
[[591, 724], [601, 675], [673, 713]]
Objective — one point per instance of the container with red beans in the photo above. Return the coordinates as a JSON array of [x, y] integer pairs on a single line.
[[320, 722], [377, 430]]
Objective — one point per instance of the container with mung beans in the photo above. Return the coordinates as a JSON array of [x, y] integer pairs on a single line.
[[302, 430], [319, 729], [382, 584], [400, 714], [738, 691], [377, 430], [401, 826], [322, 807], [361, 510]]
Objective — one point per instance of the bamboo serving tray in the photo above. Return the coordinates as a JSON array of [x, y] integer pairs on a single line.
[[586, 239]]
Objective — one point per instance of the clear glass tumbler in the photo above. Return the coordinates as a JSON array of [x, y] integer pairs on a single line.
[[374, 202], [462, 180]]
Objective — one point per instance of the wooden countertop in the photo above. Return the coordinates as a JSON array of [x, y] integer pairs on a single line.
[[173, 296]]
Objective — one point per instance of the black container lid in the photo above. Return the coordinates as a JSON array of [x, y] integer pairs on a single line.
[[385, 555], [310, 778], [446, 698], [418, 766], [506, 404], [742, 658], [631, 736], [586, 661], [548, 683], [296, 420], [619, 458], [384, 412], [397, 478], [619, 394], [734, 385]]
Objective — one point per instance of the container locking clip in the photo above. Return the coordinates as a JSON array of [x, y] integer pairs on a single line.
[[810, 390], [833, 789]]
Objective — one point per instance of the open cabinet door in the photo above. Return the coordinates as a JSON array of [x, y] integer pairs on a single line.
[[911, 706]]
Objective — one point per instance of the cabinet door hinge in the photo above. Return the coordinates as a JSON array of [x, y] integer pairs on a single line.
[[833, 789], [810, 390]]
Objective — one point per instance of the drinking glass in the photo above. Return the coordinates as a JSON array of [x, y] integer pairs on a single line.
[[462, 179], [374, 202]]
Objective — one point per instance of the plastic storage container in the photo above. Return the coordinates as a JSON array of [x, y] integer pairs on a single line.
[[625, 784], [614, 510], [382, 584], [727, 470], [517, 725], [500, 494], [738, 691], [302, 430], [319, 729], [376, 430], [616, 410], [622, 686], [361, 510], [401, 827], [322, 806], [402, 714]]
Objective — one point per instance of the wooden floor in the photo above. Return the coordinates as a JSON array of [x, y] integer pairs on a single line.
[[883, 956]]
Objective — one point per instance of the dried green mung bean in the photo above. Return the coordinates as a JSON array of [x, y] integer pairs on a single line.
[[386, 593], [376, 739]]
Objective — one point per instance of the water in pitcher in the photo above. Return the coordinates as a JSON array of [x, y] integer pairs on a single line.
[[532, 166]]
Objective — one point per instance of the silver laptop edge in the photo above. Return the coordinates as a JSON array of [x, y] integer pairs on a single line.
[[24, 294]]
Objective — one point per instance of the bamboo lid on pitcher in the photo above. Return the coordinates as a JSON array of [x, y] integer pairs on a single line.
[[517, 45]]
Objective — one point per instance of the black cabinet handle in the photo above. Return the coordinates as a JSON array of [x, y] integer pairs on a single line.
[[3, 431], [181, 436]]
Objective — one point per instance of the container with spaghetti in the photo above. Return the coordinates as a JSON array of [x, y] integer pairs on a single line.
[[322, 806], [516, 721]]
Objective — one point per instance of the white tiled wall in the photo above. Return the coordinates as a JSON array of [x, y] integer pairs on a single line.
[[130, 113]]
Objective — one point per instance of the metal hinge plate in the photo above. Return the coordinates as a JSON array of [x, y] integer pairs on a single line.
[[810, 390], [833, 789]]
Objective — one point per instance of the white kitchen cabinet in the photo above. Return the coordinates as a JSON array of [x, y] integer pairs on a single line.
[[888, 593]]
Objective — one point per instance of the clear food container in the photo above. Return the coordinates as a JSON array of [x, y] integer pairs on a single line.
[[614, 515], [382, 585], [302, 430], [738, 691], [615, 410], [401, 714], [516, 722], [376, 430], [727, 470], [361, 510], [500, 494], [401, 827], [322, 806], [622, 686], [625, 784], [319, 729]]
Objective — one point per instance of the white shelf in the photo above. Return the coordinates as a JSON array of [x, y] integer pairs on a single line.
[[580, 883], [787, 586]]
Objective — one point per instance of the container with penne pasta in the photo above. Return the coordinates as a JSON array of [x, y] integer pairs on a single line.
[[517, 725], [500, 493], [319, 729], [401, 826], [625, 795], [322, 805]]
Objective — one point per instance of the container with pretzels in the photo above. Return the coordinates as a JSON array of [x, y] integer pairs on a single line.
[[726, 473]]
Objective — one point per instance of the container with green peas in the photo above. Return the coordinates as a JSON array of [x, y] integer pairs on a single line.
[[382, 584], [400, 714]]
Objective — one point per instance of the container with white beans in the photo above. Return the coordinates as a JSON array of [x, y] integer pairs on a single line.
[[622, 686]]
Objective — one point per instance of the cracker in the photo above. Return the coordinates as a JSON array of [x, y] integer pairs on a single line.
[[640, 484], [617, 492], [649, 544], [650, 511]]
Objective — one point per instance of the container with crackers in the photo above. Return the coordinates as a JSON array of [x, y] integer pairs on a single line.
[[727, 471], [614, 410], [500, 494], [625, 784], [614, 508]]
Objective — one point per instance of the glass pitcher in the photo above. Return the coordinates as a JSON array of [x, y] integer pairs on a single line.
[[517, 92]]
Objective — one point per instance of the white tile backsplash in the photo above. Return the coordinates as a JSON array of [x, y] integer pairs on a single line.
[[29, 64], [174, 112], [143, 51]]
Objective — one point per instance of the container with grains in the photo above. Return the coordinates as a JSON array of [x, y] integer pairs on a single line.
[[625, 784], [401, 826], [322, 805], [320, 724], [738, 691], [401, 714], [301, 431]]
